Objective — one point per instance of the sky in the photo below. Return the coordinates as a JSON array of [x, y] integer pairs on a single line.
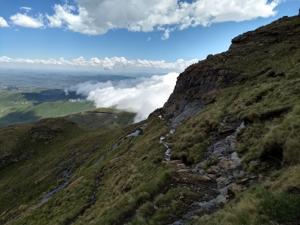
[[127, 35]]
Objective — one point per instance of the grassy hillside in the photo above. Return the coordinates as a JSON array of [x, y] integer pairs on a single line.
[[224, 149]]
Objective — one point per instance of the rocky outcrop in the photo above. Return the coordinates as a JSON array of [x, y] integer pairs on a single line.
[[200, 83], [220, 175], [251, 60]]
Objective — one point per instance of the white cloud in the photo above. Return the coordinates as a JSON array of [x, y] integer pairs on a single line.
[[5, 59], [25, 8], [95, 17], [113, 65], [3, 22], [24, 20], [167, 32], [141, 96]]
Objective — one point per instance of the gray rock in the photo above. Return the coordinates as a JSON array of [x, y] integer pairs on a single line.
[[189, 110], [136, 133], [221, 199]]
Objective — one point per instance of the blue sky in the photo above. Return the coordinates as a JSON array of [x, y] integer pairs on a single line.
[[132, 43]]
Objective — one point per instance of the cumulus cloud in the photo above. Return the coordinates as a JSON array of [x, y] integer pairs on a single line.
[[141, 96], [113, 65], [3, 22], [96, 17], [24, 20]]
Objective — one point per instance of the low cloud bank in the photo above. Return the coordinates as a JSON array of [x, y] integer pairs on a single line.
[[141, 95]]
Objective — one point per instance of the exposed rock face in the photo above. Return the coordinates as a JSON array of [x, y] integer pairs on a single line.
[[253, 58], [200, 83]]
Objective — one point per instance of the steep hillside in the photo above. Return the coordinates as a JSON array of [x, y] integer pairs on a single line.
[[225, 149]]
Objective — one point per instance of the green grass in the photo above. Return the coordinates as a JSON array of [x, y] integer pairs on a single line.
[[126, 182], [270, 203], [49, 155], [165, 208], [61, 108], [12, 101], [15, 108], [128, 177]]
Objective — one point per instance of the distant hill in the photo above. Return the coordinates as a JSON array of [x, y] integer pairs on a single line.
[[24, 106], [224, 149]]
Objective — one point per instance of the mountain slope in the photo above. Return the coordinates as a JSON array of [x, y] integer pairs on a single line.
[[224, 149]]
